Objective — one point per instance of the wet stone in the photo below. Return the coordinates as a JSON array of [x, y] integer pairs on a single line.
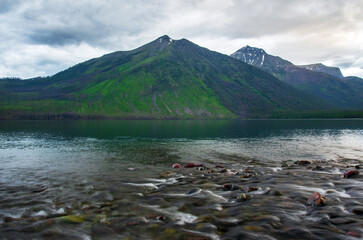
[[189, 165], [357, 210], [351, 174], [176, 165], [74, 219], [230, 187], [303, 162], [243, 197], [192, 191], [316, 200], [354, 234]]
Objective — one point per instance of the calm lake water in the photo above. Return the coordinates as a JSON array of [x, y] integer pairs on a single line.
[[52, 169]]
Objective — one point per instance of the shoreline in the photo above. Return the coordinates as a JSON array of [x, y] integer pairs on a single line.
[[204, 201]]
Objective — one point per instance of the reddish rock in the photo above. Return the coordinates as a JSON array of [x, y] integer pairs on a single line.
[[316, 200], [350, 174], [354, 234], [189, 165], [176, 165], [219, 166], [303, 162]]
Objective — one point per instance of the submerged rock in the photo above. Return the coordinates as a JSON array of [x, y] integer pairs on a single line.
[[252, 189], [357, 210], [167, 174], [316, 200], [243, 197], [349, 174], [230, 187], [193, 190], [354, 234], [176, 165], [303, 162], [72, 219], [189, 165]]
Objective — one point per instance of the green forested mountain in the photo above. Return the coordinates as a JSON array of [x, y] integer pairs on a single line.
[[163, 79]]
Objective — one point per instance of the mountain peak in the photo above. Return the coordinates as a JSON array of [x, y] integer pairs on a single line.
[[251, 55], [165, 38], [248, 48], [319, 67]]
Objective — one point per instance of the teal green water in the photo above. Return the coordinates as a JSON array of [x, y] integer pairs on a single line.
[[93, 148], [78, 161]]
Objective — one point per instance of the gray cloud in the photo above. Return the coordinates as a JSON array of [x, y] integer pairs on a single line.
[[8, 5], [42, 37]]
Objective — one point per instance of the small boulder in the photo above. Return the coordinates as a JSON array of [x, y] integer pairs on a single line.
[[316, 200], [349, 174], [176, 165], [219, 166]]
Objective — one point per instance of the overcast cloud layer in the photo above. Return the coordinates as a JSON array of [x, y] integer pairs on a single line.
[[43, 37]]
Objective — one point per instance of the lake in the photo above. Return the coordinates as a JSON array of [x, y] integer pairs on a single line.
[[114, 179]]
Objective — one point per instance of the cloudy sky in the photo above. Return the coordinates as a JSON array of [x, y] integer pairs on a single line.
[[42, 37]]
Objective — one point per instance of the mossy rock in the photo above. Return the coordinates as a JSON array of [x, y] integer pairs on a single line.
[[72, 219]]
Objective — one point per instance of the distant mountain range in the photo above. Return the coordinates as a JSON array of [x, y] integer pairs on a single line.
[[317, 79], [177, 79]]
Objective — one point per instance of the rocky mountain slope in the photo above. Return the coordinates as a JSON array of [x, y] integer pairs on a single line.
[[319, 80]]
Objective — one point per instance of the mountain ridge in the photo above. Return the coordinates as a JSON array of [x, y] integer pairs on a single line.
[[163, 79], [319, 82]]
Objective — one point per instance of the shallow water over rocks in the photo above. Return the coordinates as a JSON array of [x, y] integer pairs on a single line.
[[55, 185]]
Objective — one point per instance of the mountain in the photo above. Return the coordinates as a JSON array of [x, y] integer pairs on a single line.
[[320, 81], [319, 67], [165, 78]]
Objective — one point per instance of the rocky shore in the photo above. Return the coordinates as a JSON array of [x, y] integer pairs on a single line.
[[199, 201]]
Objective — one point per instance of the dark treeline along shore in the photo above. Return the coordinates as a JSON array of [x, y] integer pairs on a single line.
[[177, 79]]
